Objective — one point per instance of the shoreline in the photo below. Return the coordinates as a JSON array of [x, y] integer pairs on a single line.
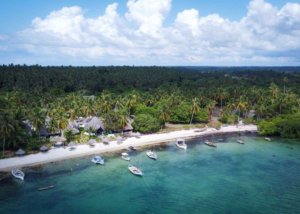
[[59, 154]]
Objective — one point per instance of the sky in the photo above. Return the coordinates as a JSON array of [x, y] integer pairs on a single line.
[[150, 32]]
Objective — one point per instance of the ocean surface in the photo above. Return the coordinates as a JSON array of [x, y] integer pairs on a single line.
[[258, 177]]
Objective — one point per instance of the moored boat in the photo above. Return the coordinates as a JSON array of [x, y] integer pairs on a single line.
[[267, 139], [97, 159], [209, 143], [125, 156], [151, 155], [240, 141], [136, 171], [18, 174], [180, 143]]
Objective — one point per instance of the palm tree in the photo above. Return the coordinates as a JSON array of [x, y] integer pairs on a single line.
[[164, 112], [38, 119], [195, 108], [210, 107], [6, 128]]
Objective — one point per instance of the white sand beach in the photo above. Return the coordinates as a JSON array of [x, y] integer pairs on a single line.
[[83, 150]]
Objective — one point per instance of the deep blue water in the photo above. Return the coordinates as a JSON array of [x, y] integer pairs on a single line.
[[258, 177]]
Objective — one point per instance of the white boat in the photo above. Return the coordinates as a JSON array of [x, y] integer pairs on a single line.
[[151, 154], [209, 143], [97, 159], [136, 171], [267, 139], [18, 174], [181, 144], [125, 156], [240, 141]]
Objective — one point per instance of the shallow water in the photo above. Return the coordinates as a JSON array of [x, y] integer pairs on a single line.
[[258, 177]]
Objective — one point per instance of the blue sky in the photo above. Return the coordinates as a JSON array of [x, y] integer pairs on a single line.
[[171, 32]]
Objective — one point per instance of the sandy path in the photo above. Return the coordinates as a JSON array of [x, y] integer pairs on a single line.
[[83, 150]]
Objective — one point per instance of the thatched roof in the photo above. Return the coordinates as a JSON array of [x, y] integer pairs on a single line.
[[57, 139], [20, 152], [94, 123]]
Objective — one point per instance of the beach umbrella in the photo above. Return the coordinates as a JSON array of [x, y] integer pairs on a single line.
[[20, 152], [71, 144], [44, 148], [120, 139], [92, 142], [105, 140]]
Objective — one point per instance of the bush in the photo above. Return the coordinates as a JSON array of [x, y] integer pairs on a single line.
[[229, 118], [146, 123], [201, 117], [181, 114], [287, 126]]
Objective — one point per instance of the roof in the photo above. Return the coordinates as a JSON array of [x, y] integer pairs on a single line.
[[94, 123]]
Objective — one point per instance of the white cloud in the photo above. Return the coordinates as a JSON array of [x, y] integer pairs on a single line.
[[265, 35]]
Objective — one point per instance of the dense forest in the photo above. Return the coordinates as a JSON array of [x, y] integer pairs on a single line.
[[153, 96]]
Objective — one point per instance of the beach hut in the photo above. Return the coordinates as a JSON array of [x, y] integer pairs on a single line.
[[128, 127], [20, 152], [94, 124], [92, 142], [44, 148]]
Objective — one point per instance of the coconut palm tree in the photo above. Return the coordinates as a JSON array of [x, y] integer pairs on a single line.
[[7, 128], [195, 108]]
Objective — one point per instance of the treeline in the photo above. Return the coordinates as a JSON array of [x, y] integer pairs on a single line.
[[154, 96]]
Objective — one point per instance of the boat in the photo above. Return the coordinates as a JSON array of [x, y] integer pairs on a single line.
[[136, 171], [97, 159], [46, 188], [18, 174], [209, 143], [151, 155], [181, 144], [132, 148], [240, 141], [125, 156], [267, 139]]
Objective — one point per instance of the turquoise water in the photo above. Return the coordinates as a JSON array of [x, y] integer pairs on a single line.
[[258, 177]]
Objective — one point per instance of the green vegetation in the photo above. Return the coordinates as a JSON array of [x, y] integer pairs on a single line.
[[155, 96], [146, 123]]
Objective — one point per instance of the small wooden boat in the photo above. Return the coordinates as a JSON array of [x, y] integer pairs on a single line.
[[97, 159], [125, 156], [136, 171], [240, 141], [46, 188], [267, 139], [151, 155], [180, 143], [209, 143], [132, 148], [18, 174]]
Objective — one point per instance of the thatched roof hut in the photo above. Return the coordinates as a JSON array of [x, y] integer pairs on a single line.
[[94, 123], [20, 152]]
